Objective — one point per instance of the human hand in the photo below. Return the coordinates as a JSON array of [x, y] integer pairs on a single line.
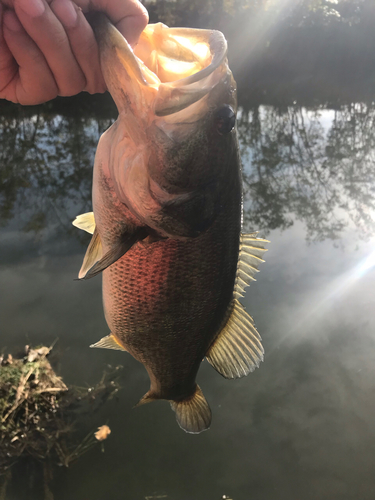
[[47, 47]]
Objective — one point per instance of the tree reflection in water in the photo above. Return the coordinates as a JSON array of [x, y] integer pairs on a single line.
[[315, 165], [46, 167]]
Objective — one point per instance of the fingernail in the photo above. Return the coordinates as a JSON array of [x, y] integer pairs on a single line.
[[66, 13], [11, 21], [33, 8]]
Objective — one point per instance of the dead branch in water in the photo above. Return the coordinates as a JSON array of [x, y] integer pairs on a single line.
[[38, 411]]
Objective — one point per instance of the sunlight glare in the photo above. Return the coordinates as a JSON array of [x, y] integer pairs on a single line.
[[318, 305], [366, 264]]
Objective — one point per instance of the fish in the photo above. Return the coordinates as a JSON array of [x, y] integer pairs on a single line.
[[167, 215]]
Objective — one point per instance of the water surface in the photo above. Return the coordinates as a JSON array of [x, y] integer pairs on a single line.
[[301, 426]]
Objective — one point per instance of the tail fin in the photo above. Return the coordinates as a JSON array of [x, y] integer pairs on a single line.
[[193, 414]]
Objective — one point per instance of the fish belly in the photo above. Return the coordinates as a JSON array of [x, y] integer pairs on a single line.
[[165, 301]]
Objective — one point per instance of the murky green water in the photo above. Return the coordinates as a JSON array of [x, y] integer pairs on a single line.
[[300, 427]]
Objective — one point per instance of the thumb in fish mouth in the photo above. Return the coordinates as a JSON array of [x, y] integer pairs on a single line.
[[131, 84]]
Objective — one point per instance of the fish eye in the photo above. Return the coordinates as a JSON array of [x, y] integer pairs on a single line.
[[225, 120]]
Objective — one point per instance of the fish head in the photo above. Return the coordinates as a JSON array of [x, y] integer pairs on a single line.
[[174, 147]]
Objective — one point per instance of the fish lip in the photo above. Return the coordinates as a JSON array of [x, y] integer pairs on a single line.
[[179, 94], [164, 98], [218, 48]]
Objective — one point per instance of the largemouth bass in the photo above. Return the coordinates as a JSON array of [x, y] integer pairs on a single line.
[[166, 221]]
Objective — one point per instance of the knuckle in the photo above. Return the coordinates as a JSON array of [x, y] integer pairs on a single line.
[[95, 84], [38, 98], [60, 42], [141, 20], [70, 88]]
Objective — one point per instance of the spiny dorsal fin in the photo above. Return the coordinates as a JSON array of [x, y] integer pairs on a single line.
[[250, 256], [109, 342], [116, 252], [193, 414], [86, 222], [93, 255], [237, 349]]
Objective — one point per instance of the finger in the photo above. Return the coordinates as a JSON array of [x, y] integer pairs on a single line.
[[130, 17], [8, 3], [8, 66], [49, 35], [33, 82], [82, 42]]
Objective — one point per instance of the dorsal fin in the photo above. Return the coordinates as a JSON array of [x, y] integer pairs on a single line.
[[86, 222], [250, 256], [193, 414], [109, 342], [237, 350], [93, 254]]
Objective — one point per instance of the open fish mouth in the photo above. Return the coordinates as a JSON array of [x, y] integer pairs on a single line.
[[170, 69]]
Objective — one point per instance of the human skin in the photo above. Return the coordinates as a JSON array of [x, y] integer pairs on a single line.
[[47, 47]]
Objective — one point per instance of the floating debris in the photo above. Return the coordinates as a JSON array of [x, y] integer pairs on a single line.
[[102, 433], [38, 411]]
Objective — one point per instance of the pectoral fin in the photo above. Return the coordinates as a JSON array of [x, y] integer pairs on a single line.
[[237, 350], [109, 342], [115, 253], [86, 222], [93, 254]]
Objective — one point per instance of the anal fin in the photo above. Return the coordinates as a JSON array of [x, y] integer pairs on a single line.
[[86, 222], [109, 342], [237, 350], [193, 414]]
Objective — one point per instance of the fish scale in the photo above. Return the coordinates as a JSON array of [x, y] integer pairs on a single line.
[[170, 286]]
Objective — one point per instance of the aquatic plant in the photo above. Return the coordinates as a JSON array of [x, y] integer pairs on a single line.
[[38, 410]]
